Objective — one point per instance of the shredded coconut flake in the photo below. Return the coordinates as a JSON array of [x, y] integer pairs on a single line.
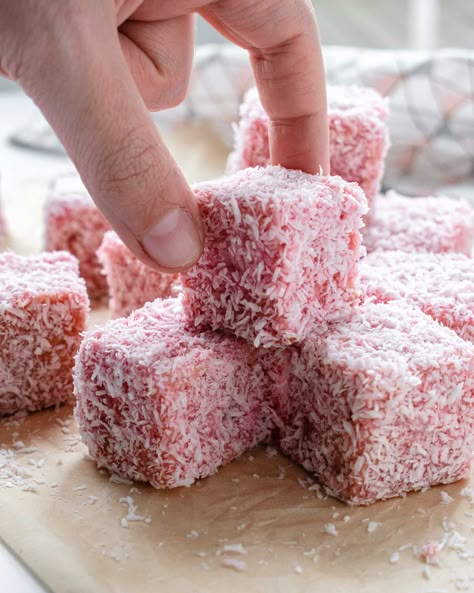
[[372, 526], [234, 549], [446, 498], [394, 557], [468, 493], [330, 529], [235, 564], [131, 512]]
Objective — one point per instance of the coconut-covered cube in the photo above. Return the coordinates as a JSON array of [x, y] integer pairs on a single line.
[[161, 405], [43, 310], [130, 282], [382, 405], [358, 136], [75, 224], [440, 284], [422, 224], [281, 254]]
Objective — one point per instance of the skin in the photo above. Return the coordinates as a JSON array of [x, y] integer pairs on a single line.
[[96, 67]]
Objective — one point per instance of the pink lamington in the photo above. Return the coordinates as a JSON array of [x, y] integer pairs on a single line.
[[74, 223], [281, 254], [161, 405], [431, 224], [130, 282], [382, 405], [358, 136], [43, 310], [440, 284]]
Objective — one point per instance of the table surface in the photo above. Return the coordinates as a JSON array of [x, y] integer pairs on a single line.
[[260, 524], [15, 109]]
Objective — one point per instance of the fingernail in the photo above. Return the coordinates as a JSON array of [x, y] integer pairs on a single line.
[[174, 241]]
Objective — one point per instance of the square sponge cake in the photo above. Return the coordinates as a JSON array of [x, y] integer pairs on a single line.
[[159, 404], [381, 405], [43, 311], [281, 254]]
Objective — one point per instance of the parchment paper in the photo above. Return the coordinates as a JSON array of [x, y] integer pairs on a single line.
[[64, 518]]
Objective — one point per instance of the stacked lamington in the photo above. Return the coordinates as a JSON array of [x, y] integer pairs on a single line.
[[360, 366], [284, 330]]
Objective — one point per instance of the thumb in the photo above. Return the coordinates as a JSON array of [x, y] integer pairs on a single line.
[[88, 95]]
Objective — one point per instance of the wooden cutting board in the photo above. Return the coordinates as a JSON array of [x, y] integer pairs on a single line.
[[260, 525]]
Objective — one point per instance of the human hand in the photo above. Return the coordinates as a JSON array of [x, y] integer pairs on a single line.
[[96, 67]]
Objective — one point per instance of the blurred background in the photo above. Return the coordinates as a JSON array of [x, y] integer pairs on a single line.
[[430, 88], [387, 24]]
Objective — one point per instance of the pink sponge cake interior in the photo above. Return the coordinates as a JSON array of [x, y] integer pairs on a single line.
[[281, 254], [43, 310]]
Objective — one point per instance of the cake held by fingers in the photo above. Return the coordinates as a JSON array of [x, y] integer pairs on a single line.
[[281, 255]]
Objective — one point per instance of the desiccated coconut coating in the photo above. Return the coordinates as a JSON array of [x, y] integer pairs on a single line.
[[440, 284], [130, 282], [158, 404], [74, 223], [43, 310], [358, 134], [433, 224], [382, 405], [281, 254]]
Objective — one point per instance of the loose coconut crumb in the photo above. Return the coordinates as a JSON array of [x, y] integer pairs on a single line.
[[394, 557], [192, 534], [119, 480], [271, 451], [131, 512], [372, 526], [427, 572], [429, 552], [26, 450], [330, 529], [234, 549], [445, 498], [298, 569], [461, 583], [234, 564], [468, 493]]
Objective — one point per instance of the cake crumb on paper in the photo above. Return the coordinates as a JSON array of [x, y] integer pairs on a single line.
[[235, 564]]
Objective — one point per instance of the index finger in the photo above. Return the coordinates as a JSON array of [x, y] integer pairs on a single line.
[[282, 38]]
